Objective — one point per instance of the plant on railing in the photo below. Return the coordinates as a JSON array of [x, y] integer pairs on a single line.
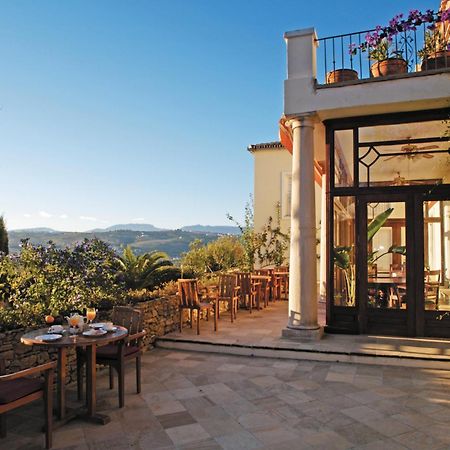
[[390, 42]]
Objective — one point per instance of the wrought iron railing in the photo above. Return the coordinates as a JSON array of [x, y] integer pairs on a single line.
[[349, 57]]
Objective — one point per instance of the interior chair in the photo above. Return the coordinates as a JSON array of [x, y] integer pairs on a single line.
[[191, 299], [116, 355], [431, 289], [17, 390]]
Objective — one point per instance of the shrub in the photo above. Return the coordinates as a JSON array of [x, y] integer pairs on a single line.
[[4, 247], [45, 279]]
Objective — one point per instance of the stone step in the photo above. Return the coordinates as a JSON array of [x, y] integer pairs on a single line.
[[385, 359]]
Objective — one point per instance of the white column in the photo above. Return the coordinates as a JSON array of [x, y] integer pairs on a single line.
[[302, 322], [323, 241]]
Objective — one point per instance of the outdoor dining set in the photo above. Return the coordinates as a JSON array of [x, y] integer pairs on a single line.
[[234, 291], [110, 344]]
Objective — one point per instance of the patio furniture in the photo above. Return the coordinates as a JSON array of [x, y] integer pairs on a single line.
[[281, 284], [431, 289], [227, 291], [116, 355], [248, 291], [263, 289], [17, 390], [190, 299], [271, 281], [90, 344]]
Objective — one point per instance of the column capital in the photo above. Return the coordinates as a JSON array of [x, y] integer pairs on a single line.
[[304, 120]]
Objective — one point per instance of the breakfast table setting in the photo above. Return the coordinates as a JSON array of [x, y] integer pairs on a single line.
[[82, 334]]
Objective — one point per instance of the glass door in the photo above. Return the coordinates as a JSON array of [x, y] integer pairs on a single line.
[[383, 270]]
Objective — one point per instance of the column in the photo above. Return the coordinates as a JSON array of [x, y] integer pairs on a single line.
[[302, 321]]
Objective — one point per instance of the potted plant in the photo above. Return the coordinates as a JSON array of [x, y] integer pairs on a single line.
[[338, 75], [388, 60], [435, 53]]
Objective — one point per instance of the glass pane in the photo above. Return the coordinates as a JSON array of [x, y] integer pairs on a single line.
[[403, 154], [386, 255], [344, 251], [436, 255], [343, 158]]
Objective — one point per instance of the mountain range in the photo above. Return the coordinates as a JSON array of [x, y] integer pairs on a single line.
[[141, 238]]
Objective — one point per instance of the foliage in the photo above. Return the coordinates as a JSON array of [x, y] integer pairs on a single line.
[[267, 247], [147, 271], [224, 254], [45, 279], [4, 247], [434, 42], [142, 295], [380, 43]]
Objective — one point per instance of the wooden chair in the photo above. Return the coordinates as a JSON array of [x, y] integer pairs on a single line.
[[431, 289], [190, 299], [115, 355], [270, 285], [248, 291], [226, 291], [17, 390]]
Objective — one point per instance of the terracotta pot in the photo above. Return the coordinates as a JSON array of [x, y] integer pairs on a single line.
[[336, 76], [439, 60], [390, 66]]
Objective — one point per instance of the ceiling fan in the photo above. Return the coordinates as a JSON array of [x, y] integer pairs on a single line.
[[411, 151]]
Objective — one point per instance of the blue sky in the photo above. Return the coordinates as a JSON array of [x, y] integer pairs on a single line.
[[141, 111]]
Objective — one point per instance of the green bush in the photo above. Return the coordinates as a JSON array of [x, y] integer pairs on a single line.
[[46, 280]]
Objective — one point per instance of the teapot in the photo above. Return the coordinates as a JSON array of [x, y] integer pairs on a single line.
[[75, 320]]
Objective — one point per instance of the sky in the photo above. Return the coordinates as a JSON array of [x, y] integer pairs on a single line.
[[142, 111]]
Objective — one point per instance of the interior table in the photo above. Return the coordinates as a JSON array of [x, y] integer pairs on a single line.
[[386, 284], [73, 341]]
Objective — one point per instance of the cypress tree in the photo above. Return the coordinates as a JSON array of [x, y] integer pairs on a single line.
[[3, 237]]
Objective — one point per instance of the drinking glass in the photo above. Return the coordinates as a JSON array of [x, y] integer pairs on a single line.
[[90, 314]]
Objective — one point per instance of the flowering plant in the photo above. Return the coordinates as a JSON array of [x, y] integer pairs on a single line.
[[380, 42]]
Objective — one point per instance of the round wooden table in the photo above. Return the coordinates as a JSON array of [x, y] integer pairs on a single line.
[[76, 341]]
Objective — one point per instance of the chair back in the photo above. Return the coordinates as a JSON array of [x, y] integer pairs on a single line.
[[227, 284], [372, 270], [244, 281], [188, 293], [128, 317], [432, 276]]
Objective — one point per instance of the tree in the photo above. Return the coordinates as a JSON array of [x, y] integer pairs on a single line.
[[4, 247], [147, 271]]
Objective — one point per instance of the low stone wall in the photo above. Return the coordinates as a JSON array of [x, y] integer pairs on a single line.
[[161, 316]]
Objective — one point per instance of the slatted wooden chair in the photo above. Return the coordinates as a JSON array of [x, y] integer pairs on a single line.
[[227, 291], [17, 390], [431, 291], [191, 299], [269, 287], [248, 291], [116, 355]]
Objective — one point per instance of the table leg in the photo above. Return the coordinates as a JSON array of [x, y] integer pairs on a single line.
[[91, 387], [61, 386]]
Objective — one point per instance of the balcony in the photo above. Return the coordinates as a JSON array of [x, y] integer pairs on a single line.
[[365, 55]]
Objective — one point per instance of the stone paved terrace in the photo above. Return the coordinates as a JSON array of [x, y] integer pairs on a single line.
[[202, 401], [259, 334]]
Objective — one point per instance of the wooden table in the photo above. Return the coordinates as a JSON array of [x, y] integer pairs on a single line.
[[387, 283], [70, 341]]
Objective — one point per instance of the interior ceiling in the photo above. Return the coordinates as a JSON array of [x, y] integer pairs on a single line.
[[412, 167]]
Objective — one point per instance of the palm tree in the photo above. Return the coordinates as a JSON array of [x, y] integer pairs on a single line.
[[147, 271]]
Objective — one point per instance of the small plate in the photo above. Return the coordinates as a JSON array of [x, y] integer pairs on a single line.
[[94, 333], [110, 330], [97, 326], [48, 337]]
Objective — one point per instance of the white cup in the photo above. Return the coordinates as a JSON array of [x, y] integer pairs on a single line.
[[108, 326]]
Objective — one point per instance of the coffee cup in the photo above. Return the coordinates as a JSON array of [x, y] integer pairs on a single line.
[[56, 329], [108, 326]]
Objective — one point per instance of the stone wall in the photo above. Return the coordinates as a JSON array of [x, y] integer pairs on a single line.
[[161, 316]]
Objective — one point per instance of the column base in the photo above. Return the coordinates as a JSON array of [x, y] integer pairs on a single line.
[[307, 334]]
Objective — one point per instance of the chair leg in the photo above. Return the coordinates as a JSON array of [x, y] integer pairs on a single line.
[[198, 321], [190, 317], [111, 378], [215, 317], [231, 308], [138, 374], [121, 374], [181, 319], [3, 425], [48, 406]]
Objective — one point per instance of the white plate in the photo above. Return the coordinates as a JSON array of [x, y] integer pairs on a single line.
[[48, 337], [97, 325], [94, 333], [110, 330]]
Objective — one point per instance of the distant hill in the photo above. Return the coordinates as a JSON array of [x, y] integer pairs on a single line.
[[36, 230], [173, 242], [130, 227], [218, 229]]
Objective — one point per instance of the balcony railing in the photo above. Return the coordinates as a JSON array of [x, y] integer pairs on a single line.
[[352, 53]]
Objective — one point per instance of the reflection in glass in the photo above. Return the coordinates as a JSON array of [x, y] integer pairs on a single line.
[[343, 158], [386, 255], [436, 255], [344, 251]]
